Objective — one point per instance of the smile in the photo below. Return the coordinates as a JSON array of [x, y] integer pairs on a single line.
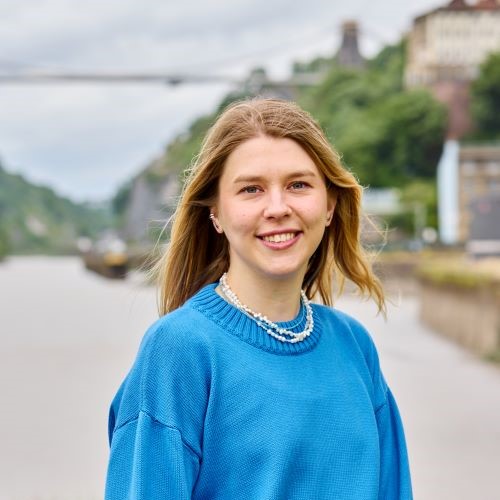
[[279, 238], [280, 241]]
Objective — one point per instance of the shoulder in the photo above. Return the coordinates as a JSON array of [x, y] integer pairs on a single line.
[[189, 326], [183, 330], [173, 365], [357, 343], [347, 325]]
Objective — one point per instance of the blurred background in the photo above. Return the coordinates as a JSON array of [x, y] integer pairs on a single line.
[[104, 106]]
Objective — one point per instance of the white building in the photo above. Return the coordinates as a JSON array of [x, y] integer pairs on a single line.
[[445, 50], [452, 41]]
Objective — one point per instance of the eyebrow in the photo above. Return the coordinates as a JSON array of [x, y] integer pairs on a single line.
[[258, 178]]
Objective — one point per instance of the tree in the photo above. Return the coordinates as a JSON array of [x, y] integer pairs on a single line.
[[412, 127], [418, 194], [4, 239], [387, 136], [4, 243], [485, 99]]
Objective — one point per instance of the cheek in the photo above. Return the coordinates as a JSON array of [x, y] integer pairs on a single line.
[[244, 222], [237, 219], [316, 211]]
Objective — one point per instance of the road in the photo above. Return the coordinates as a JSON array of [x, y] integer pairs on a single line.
[[68, 338]]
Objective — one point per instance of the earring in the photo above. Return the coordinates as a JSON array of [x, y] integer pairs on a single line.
[[215, 223]]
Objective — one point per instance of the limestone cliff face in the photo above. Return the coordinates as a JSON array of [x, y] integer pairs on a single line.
[[151, 202]]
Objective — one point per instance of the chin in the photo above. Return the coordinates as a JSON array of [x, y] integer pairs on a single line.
[[284, 272]]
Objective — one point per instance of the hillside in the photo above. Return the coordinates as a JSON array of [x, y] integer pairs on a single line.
[[388, 136], [34, 219]]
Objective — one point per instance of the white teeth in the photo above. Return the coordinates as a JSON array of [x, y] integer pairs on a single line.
[[278, 238]]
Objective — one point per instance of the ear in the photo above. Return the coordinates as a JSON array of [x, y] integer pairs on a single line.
[[215, 220], [330, 207]]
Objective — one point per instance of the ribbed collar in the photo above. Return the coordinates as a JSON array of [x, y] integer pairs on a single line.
[[236, 323]]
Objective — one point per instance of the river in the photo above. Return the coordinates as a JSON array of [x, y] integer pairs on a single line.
[[68, 337]]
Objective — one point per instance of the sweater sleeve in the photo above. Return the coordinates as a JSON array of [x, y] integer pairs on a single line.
[[157, 417], [395, 482], [150, 461]]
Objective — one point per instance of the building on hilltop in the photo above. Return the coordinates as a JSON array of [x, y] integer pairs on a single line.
[[445, 50], [452, 41]]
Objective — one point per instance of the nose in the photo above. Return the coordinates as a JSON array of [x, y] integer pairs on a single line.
[[276, 204]]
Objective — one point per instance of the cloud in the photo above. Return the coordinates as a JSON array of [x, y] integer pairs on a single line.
[[62, 32], [87, 139]]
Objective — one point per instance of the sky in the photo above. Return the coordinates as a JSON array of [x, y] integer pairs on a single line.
[[86, 140]]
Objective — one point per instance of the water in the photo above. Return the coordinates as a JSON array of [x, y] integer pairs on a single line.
[[68, 337]]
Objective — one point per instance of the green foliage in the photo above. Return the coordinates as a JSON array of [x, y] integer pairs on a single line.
[[485, 99], [182, 150], [121, 199], [494, 356], [317, 64], [386, 135], [418, 193], [34, 219], [391, 61], [4, 242], [229, 99], [410, 128], [450, 274]]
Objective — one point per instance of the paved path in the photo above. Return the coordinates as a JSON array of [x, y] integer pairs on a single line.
[[68, 337], [449, 401]]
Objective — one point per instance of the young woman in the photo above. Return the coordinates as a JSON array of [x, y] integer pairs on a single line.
[[244, 389]]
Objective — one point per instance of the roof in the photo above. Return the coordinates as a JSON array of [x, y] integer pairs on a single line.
[[462, 5], [487, 5], [457, 5]]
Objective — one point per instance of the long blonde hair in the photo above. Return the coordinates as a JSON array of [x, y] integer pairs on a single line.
[[197, 255]]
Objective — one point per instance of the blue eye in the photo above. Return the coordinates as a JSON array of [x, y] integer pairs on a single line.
[[298, 185], [250, 189]]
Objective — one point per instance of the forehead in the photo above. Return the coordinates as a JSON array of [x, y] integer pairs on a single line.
[[267, 156]]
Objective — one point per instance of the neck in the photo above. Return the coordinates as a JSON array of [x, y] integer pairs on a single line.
[[279, 300]]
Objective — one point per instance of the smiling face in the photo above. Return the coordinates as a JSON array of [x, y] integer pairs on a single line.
[[273, 208]]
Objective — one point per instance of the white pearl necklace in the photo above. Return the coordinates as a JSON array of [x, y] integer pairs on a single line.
[[266, 324]]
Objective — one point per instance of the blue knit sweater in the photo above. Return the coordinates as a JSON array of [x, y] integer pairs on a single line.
[[215, 408]]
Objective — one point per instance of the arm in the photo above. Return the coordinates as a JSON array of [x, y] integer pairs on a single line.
[[149, 461], [156, 418], [395, 482]]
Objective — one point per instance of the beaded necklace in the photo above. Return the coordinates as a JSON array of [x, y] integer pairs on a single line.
[[266, 324]]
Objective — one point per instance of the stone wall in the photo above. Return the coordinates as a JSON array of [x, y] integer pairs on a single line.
[[470, 315]]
